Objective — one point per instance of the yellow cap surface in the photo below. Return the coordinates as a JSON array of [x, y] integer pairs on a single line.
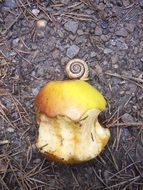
[[70, 97]]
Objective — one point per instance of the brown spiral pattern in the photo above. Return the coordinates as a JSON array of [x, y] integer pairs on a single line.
[[77, 69]]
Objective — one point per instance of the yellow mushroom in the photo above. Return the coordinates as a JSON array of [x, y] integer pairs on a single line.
[[67, 115]]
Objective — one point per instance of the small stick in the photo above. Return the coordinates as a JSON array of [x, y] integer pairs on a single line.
[[125, 77], [126, 124], [4, 142]]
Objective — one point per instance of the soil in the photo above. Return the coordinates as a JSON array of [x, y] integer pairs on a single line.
[[37, 39]]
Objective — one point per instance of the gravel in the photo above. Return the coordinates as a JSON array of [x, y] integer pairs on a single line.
[[98, 31], [122, 32], [71, 26], [72, 51], [127, 118], [108, 36]]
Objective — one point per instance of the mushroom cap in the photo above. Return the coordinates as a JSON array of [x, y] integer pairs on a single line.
[[71, 98]]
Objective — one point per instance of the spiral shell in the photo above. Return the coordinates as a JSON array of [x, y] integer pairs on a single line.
[[77, 69]]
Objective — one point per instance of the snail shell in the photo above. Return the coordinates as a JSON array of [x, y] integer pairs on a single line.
[[77, 69]]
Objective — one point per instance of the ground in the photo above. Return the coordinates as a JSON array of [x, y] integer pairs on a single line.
[[37, 39]]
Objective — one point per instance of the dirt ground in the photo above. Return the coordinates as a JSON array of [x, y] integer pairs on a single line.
[[37, 39]]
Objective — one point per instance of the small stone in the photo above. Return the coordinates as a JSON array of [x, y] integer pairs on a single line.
[[10, 4], [141, 3], [115, 66], [125, 134], [56, 54], [12, 53], [127, 118], [80, 32], [15, 42], [126, 3], [119, 3], [41, 23], [37, 161], [104, 24], [72, 51], [107, 50], [122, 32], [92, 54], [101, 6], [35, 12], [80, 40], [34, 46], [141, 113], [139, 152], [120, 43], [122, 92], [135, 50], [130, 27], [114, 59], [98, 31], [105, 38], [64, 60], [72, 37], [113, 42], [71, 26], [10, 129], [132, 87], [35, 91], [98, 69], [65, 1], [60, 33]]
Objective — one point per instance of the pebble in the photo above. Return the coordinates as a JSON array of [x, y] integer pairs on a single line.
[[72, 51], [10, 129], [105, 38], [122, 32], [125, 134], [101, 6], [64, 60], [98, 31], [114, 59], [35, 12], [141, 113], [98, 69], [15, 42], [93, 54], [139, 151], [130, 27], [120, 43], [127, 118], [72, 37], [65, 1], [71, 26], [10, 3], [37, 161], [107, 50], [35, 91], [80, 32], [41, 23], [126, 3], [60, 33], [119, 3], [56, 54], [104, 24]]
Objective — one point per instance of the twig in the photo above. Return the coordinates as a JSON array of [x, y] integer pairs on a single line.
[[126, 124], [125, 77], [4, 142], [22, 57]]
